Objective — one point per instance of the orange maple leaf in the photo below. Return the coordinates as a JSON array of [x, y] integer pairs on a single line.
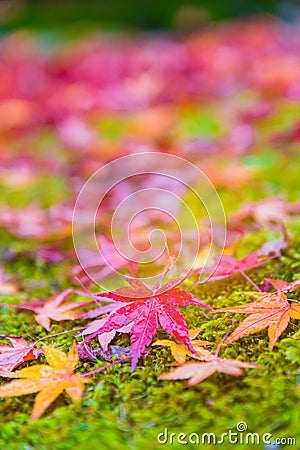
[[284, 286], [272, 311], [49, 381], [55, 308], [180, 351], [197, 372]]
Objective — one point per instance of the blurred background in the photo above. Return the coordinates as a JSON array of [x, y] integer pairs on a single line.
[[135, 14]]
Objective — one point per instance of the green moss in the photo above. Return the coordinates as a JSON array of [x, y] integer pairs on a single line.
[[124, 410]]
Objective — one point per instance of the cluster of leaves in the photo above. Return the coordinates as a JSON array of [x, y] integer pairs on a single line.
[[136, 310], [143, 101]]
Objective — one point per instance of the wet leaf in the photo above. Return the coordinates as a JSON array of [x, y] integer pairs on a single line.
[[272, 311], [48, 380]]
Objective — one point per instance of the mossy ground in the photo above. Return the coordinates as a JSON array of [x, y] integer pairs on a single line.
[[124, 410]]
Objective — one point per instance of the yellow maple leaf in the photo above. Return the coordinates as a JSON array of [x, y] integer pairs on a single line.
[[180, 351], [49, 381]]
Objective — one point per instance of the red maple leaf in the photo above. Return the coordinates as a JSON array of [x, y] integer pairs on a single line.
[[20, 351], [228, 265], [265, 213], [143, 309], [102, 264], [104, 338], [33, 222]]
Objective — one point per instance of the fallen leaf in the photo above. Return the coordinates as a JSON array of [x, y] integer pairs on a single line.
[[20, 351], [272, 311], [197, 372], [49, 381], [56, 308], [143, 308], [229, 265], [53, 308], [180, 351], [102, 264], [284, 286], [35, 223], [7, 283], [266, 213], [104, 338], [274, 248]]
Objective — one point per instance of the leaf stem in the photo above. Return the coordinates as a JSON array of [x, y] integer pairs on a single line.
[[224, 338], [106, 367], [10, 305], [87, 291], [250, 281], [113, 364], [59, 334]]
